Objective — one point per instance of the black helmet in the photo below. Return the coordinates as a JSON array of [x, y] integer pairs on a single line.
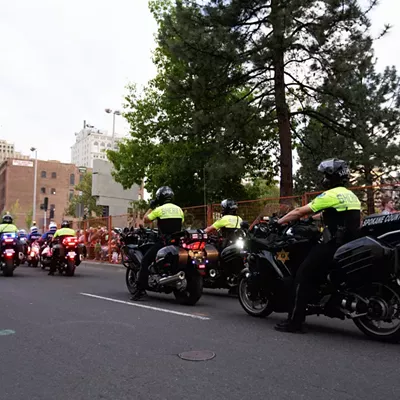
[[336, 173], [7, 219], [65, 224], [229, 207], [164, 195]]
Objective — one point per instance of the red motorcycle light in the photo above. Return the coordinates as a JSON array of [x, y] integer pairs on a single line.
[[202, 266], [70, 241], [196, 246], [8, 240]]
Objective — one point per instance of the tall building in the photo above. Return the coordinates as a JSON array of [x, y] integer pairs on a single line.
[[7, 150], [55, 180], [90, 144]]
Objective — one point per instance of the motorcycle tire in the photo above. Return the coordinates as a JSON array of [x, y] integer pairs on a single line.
[[35, 263], [365, 325], [8, 268], [70, 270], [194, 289], [130, 280], [244, 301]]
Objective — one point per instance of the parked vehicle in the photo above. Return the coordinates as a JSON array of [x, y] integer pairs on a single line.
[[9, 253], [363, 282]]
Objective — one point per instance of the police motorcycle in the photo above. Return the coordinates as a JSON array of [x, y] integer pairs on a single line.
[[176, 268], [134, 244], [363, 282], [33, 256], [9, 254], [66, 254], [219, 272]]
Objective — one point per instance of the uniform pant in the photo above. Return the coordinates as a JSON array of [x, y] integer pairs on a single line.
[[147, 259], [309, 276]]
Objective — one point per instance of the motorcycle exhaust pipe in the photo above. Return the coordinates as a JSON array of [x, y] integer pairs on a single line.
[[213, 273], [180, 276]]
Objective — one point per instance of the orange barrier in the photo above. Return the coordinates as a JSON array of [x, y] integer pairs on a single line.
[[101, 242]]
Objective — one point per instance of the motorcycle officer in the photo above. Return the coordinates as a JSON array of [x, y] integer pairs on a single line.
[[341, 213], [49, 234], [169, 220], [34, 235], [229, 221], [59, 235]]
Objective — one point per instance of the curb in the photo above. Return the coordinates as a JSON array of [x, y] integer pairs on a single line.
[[102, 265]]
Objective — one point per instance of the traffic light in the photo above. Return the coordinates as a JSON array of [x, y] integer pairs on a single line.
[[46, 203]]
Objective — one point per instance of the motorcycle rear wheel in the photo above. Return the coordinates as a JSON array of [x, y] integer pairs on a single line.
[[264, 309], [70, 270], [8, 268], [194, 289], [383, 308]]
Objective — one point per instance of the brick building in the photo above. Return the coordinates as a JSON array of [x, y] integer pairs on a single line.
[[55, 180]]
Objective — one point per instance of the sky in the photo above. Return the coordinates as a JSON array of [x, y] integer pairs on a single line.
[[63, 62]]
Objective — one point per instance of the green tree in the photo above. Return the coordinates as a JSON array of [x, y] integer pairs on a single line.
[[204, 139], [13, 211], [371, 118], [84, 197], [280, 51], [29, 218]]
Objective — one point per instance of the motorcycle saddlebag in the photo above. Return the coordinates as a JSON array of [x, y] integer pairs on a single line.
[[363, 260]]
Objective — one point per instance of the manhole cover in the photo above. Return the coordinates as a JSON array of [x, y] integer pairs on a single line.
[[196, 355]]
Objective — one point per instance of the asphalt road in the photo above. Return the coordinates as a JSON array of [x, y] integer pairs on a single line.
[[59, 344]]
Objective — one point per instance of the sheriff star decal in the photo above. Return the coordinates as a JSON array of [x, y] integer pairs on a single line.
[[283, 256]]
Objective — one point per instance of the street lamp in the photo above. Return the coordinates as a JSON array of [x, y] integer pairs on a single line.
[[34, 186], [114, 113]]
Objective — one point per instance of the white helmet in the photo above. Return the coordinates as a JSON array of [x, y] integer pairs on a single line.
[[34, 229], [52, 226]]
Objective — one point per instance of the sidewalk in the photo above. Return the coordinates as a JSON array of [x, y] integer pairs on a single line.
[[92, 263]]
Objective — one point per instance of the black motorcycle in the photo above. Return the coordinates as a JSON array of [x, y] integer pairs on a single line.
[[221, 271], [175, 270], [363, 282]]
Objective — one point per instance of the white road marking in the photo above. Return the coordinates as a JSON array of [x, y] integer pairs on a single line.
[[148, 307]]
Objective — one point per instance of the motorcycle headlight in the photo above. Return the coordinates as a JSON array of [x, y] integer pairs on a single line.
[[240, 243]]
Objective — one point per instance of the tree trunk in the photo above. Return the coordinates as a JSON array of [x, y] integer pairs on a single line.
[[282, 110]]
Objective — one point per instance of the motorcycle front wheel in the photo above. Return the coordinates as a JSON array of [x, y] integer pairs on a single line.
[[130, 279], [256, 307], [382, 321]]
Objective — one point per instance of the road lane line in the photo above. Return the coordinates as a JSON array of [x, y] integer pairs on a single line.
[[165, 310]]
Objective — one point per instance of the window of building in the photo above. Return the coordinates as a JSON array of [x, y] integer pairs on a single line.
[[102, 144], [96, 143], [43, 190], [52, 206], [72, 179], [43, 174], [54, 175], [80, 178], [53, 191], [108, 145], [71, 194]]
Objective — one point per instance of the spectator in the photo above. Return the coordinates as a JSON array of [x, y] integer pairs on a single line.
[[387, 204]]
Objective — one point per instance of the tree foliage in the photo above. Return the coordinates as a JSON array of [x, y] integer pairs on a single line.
[[84, 197], [278, 52], [372, 123], [204, 138]]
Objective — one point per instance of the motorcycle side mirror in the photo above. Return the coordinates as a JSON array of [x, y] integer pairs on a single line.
[[244, 225]]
